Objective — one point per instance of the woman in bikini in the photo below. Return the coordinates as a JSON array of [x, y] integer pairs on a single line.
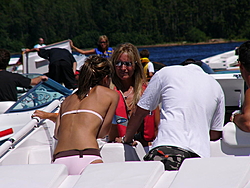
[[85, 116]]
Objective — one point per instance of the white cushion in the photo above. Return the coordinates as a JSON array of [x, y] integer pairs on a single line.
[[112, 152], [221, 172], [70, 181], [235, 137], [166, 179], [234, 142], [125, 174], [118, 152], [30, 176]]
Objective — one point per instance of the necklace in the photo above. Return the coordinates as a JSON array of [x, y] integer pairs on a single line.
[[125, 97]]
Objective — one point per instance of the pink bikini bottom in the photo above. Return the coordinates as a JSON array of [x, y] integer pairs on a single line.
[[76, 160]]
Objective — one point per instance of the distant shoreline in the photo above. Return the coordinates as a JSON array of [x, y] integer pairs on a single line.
[[212, 41], [215, 41]]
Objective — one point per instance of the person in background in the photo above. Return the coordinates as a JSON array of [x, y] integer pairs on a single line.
[[62, 66], [40, 43], [129, 81], [9, 81], [203, 65], [102, 49], [192, 114], [148, 66], [85, 116], [241, 118]]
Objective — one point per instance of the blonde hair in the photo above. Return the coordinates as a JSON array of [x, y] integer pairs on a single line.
[[138, 76], [103, 37], [92, 73]]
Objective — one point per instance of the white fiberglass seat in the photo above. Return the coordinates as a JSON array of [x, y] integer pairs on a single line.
[[39, 176], [118, 152], [216, 172], [121, 174], [234, 142], [4, 105]]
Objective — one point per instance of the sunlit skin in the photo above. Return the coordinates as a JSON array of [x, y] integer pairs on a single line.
[[103, 45], [125, 73]]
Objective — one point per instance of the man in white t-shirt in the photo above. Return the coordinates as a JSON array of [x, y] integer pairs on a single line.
[[40, 43], [192, 114]]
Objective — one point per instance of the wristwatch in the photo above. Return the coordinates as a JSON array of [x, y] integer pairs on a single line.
[[129, 143], [236, 112]]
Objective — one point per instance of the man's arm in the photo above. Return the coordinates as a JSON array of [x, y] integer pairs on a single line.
[[37, 80], [242, 120], [215, 135], [74, 67], [31, 50], [134, 123]]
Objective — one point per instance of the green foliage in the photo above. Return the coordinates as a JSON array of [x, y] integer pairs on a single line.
[[140, 22], [87, 39], [195, 35]]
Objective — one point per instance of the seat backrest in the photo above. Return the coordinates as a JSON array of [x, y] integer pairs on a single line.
[[40, 176], [122, 174], [118, 152], [227, 172], [234, 142]]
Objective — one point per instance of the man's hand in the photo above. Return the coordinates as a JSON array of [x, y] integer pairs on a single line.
[[121, 140]]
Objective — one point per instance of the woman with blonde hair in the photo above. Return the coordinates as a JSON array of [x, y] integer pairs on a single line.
[[130, 82], [85, 116], [102, 49]]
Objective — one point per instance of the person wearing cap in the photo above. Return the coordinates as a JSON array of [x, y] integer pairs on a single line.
[[203, 65], [148, 66]]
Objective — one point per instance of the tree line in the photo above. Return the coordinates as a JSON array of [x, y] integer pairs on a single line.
[[141, 22]]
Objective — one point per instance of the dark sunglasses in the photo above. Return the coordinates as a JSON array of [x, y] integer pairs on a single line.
[[126, 63], [102, 42]]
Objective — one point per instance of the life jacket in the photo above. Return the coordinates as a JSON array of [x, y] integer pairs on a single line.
[[108, 53], [145, 62], [121, 115], [122, 118]]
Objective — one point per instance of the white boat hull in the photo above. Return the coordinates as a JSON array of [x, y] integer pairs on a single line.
[[224, 61]]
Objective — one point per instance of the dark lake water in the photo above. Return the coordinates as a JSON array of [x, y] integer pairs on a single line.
[[172, 55]]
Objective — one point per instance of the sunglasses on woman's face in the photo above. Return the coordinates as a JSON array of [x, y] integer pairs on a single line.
[[126, 63], [102, 42]]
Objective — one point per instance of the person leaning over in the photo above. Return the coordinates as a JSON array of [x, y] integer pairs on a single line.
[[62, 66], [241, 118], [9, 81], [85, 116], [192, 114]]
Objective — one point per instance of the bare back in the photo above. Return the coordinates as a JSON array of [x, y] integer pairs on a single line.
[[80, 130]]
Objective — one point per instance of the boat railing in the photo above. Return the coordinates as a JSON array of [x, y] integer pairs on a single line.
[[27, 129]]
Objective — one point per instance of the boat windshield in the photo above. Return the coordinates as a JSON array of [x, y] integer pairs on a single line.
[[40, 96]]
